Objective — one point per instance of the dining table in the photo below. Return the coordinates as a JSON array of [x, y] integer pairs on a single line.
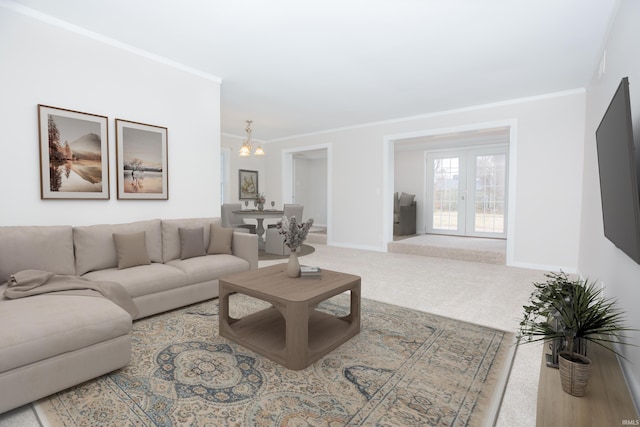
[[260, 216]]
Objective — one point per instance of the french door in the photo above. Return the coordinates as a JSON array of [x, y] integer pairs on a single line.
[[467, 192]]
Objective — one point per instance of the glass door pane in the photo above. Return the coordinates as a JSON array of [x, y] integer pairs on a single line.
[[445, 194], [489, 196]]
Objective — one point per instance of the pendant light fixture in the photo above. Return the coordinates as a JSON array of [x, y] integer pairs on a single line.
[[246, 148]]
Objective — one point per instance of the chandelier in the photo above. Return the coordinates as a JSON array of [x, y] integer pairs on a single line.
[[245, 150]]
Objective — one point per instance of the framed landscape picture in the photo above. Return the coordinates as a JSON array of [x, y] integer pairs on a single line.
[[74, 154], [141, 152], [248, 184]]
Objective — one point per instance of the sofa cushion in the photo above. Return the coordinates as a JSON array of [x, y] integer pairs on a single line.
[[406, 199], [43, 326], [220, 240], [95, 249], [131, 249], [48, 248], [171, 247], [191, 242], [210, 267], [142, 279]]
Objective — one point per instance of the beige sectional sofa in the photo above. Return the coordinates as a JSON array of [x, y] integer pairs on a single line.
[[52, 341]]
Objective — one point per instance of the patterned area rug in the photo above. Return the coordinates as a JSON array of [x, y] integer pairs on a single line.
[[405, 368]]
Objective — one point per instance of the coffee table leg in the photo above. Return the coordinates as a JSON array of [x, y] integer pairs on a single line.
[[354, 316], [355, 308], [223, 311], [296, 319]]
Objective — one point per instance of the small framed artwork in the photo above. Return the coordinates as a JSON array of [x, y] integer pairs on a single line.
[[247, 184], [74, 154], [142, 166]]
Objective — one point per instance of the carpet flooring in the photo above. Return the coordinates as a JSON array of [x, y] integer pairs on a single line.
[[405, 368]]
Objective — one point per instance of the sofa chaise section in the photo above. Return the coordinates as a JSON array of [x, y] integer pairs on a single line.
[[50, 342]]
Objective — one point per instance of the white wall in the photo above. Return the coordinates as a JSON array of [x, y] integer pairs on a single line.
[[45, 64], [599, 258], [547, 156], [409, 178]]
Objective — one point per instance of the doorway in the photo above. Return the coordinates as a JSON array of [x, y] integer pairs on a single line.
[[307, 181], [405, 162]]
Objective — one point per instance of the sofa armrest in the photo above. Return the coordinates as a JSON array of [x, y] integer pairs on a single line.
[[245, 246]]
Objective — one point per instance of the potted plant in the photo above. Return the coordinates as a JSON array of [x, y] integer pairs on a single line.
[[572, 312], [294, 234], [260, 201]]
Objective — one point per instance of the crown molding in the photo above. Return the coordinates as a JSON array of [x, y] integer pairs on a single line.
[[514, 101], [27, 11]]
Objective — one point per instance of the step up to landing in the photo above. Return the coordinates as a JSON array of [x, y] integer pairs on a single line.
[[491, 251]]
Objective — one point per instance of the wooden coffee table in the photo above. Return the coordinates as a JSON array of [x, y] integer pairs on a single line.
[[290, 332]]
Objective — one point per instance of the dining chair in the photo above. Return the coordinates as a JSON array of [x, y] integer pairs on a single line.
[[274, 241], [231, 220]]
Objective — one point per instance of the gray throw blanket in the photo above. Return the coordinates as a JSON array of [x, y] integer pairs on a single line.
[[34, 282]]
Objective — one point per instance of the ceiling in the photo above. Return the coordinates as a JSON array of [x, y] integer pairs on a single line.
[[296, 67]]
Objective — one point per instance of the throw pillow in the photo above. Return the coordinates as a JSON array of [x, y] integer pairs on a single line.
[[406, 199], [131, 249], [191, 242], [220, 240]]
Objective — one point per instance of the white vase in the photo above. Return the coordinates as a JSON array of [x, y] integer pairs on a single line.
[[293, 266]]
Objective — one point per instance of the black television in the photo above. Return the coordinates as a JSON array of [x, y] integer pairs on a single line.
[[618, 167]]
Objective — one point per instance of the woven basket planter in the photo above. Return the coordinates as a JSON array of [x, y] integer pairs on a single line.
[[574, 375]]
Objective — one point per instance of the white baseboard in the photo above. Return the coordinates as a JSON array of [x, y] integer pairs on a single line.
[[532, 266], [361, 247]]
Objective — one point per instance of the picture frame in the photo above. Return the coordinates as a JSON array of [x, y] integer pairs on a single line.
[[247, 184], [142, 161], [74, 154]]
